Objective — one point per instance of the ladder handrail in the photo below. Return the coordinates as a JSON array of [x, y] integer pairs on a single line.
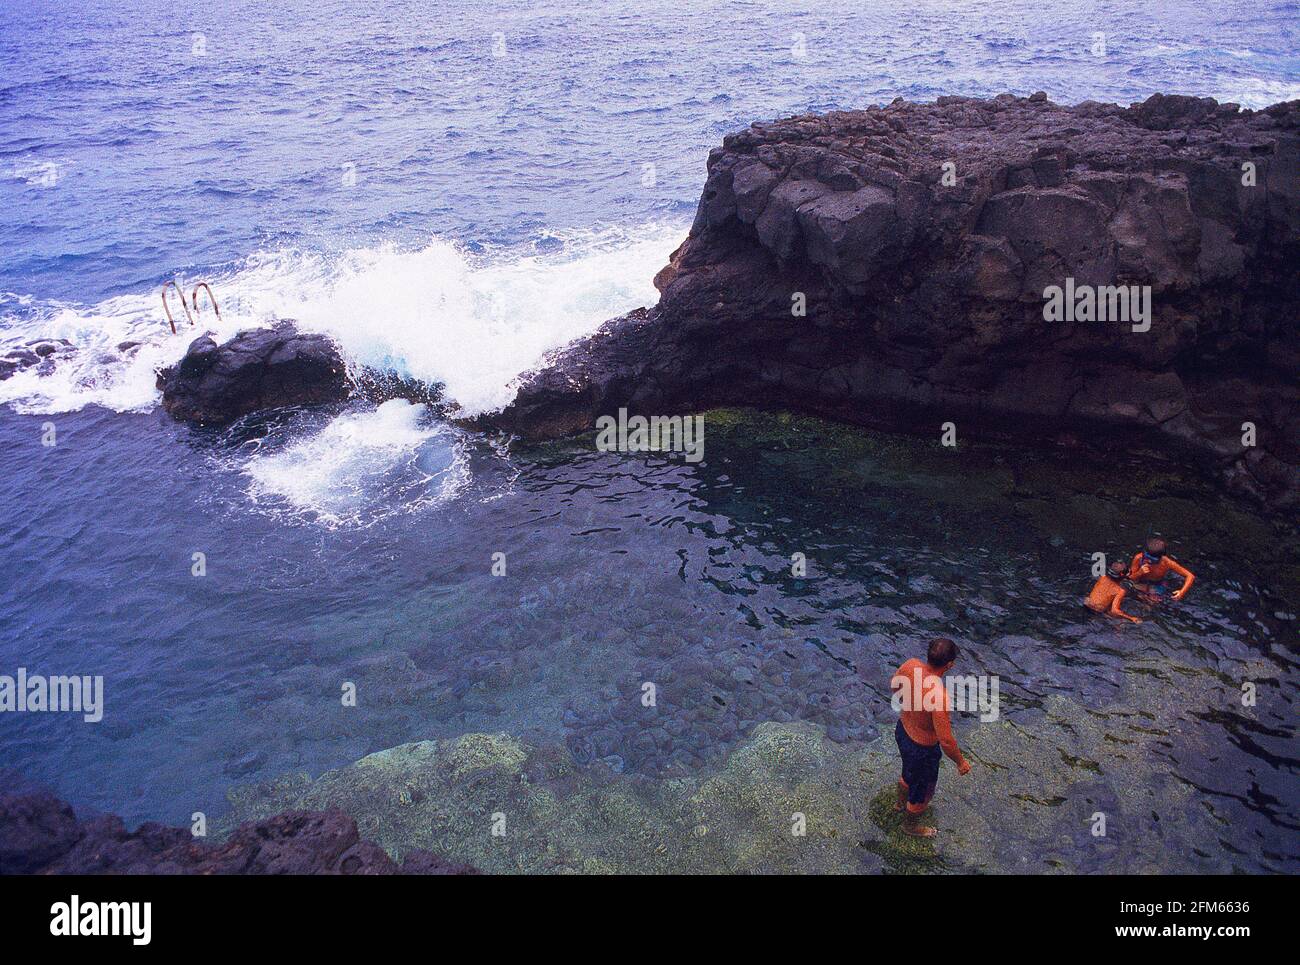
[[167, 308], [194, 298]]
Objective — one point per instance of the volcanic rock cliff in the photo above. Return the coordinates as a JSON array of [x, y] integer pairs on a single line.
[[888, 267]]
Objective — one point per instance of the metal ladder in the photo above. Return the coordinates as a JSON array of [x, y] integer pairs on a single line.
[[194, 300]]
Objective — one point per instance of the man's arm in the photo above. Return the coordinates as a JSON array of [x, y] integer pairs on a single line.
[[943, 730], [1115, 610], [1135, 568], [1186, 574]]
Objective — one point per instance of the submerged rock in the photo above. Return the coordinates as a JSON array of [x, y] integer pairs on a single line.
[[262, 368], [40, 834], [39, 352], [891, 267], [1027, 806]]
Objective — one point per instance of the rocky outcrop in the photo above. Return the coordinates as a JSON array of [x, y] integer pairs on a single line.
[[39, 834], [262, 368], [40, 353], [891, 267]]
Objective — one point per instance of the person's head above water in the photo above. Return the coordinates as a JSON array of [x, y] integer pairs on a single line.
[[1156, 547], [1118, 569], [941, 653]]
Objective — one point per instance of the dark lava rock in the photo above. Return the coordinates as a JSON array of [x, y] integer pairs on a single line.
[[39, 352], [35, 829], [924, 283], [263, 368], [39, 834]]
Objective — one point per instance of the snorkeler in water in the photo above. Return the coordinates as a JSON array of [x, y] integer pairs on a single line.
[[1151, 568], [1108, 593]]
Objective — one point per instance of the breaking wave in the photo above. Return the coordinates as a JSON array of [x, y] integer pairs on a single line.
[[472, 321], [362, 466]]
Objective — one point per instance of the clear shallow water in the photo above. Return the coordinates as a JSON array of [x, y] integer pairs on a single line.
[[620, 570], [500, 207]]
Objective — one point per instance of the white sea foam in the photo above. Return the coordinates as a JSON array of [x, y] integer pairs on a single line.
[[362, 466], [472, 322], [1255, 92]]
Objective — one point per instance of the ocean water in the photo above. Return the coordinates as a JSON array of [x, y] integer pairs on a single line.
[[451, 191]]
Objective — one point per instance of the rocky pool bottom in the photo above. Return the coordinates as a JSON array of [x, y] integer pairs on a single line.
[[759, 763], [788, 800], [515, 703]]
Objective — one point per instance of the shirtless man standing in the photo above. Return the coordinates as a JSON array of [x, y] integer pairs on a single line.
[[924, 732]]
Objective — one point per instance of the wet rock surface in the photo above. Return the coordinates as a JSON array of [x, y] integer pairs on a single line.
[[40, 834], [41, 354], [259, 369], [921, 239]]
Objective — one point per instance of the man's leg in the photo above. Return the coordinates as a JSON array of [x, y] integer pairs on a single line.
[[925, 779], [917, 783], [904, 754], [912, 819], [912, 825]]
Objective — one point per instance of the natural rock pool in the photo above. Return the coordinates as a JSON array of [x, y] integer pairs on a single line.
[[449, 210], [356, 545]]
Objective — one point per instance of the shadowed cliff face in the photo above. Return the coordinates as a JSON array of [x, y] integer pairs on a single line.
[[890, 267]]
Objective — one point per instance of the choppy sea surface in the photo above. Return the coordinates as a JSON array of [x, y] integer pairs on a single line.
[[453, 190]]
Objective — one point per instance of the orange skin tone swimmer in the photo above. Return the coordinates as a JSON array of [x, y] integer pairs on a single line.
[[1106, 596], [1140, 571]]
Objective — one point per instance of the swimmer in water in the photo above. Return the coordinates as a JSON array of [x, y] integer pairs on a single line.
[[1108, 593], [1150, 570]]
